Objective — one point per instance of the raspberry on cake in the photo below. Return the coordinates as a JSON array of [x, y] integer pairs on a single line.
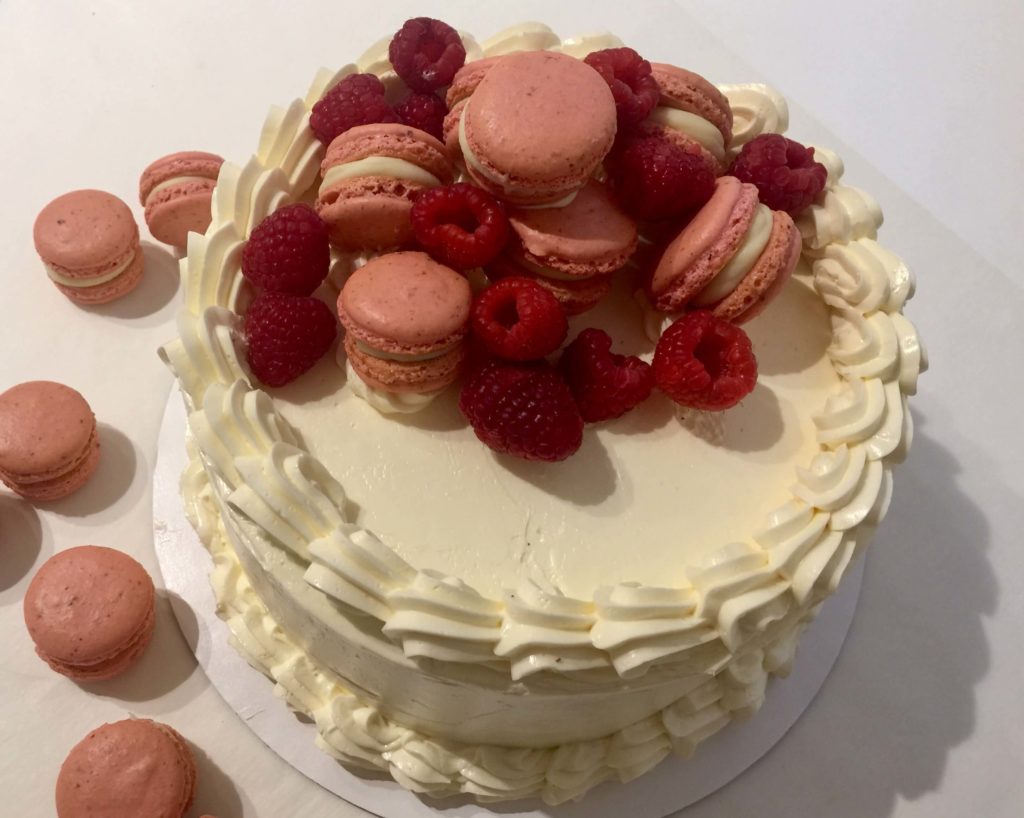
[[426, 53], [423, 111], [286, 335], [460, 225], [785, 173], [517, 319], [537, 626], [357, 99], [288, 252], [629, 76]]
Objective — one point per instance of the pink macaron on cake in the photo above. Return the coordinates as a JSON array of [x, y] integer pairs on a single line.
[[463, 85], [573, 250], [371, 176], [134, 768], [89, 243], [507, 138], [693, 113], [406, 317], [731, 258], [90, 612], [49, 446], [177, 191]]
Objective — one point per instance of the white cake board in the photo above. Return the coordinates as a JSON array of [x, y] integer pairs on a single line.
[[671, 786]]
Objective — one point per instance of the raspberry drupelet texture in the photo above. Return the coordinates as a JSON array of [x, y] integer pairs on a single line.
[[605, 385], [518, 319], [704, 362], [628, 75], [288, 252], [525, 410], [424, 111], [655, 179], [426, 53], [784, 171], [460, 225], [357, 100], [286, 335]]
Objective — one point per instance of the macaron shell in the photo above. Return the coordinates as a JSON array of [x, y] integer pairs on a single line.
[[691, 92], [110, 290], [467, 78], [589, 236], [183, 163], [450, 130], [134, 768], [46, 428], [405, 376], [61, 485], [767, 277], [393, 140], [509, 125], [85, 233], [111, 667], [704, 246], [88, 606], [576, 296], [405, 303], [175, 211], [368, 213]]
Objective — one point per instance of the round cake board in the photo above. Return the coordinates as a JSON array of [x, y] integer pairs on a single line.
[[671, 786]]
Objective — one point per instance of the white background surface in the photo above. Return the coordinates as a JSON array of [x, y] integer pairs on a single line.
[[922, 714]]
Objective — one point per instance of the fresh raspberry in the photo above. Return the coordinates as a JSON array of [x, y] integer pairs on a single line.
[[286, 336], [604, 385], [288, 252], [516, 318], [655, 179], [628, 74], [786, 175], [705, 362], [424, 111], [426, 53], [357, 100], [524, 410], [460, 225]]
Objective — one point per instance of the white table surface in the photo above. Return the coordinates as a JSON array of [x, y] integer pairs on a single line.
[[922, 714]]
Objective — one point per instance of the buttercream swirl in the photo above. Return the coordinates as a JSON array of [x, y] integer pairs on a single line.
[[732, 619]]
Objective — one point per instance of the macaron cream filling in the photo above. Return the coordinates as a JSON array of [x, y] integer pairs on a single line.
[[750, 249], [82, 283], [513, 190], [387, 166], [693, 126], [402, 357], [172, 182]]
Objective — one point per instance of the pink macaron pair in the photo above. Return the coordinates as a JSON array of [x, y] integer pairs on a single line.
[[732, 258], [49, 445], [177, 192]]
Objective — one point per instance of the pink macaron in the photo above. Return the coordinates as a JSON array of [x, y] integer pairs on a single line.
[[49, 447], [573, 250], [89, 243], [463, 85], [135, 768], [371, 175], [731, 258], [90, 612], [406, 318], [177, 191], [536, 127], [692, 113]]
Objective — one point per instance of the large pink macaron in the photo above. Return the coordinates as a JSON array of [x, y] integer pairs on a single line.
[[692, 113], [89, 242], [371, 176], [90, 612], [571, 250], [406, 318], [731, 258], [135, 768], [536, 127], [49, 447], [177, 192]]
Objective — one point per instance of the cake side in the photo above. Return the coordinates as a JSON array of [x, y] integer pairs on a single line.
[[721, 617]]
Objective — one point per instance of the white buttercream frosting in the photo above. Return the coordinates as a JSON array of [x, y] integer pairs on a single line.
[[756, 109], [742, 261], [702, 642]]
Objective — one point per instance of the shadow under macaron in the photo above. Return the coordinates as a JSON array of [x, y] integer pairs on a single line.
[[22, 541], [160, 282]]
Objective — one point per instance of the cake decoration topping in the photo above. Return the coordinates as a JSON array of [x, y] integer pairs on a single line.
[[605, 385], [524, 410], [518, 319], [705, 363], [357, 100], [629, 76], [288, 251], [426, 53], [785, 172], [286, 335], [460, 225], [423, 111]]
